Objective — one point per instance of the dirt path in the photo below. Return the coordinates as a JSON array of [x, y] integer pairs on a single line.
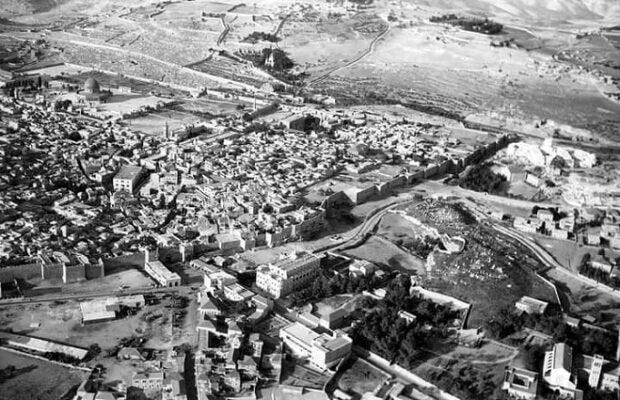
[[369, 50]]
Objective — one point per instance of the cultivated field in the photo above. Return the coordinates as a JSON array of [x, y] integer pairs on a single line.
[[359, 377], [36, 379]]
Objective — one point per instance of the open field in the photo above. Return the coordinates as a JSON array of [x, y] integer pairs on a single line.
[[154, 123], [385, 253], [585, 299], [36, 379], [129, 278], [61, 321]]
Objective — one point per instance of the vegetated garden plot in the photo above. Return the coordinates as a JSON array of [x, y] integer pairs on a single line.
[[231, 69], [385, 253], [206, 107], [484, 364], [35, 379], [358, 376], [294, 373], [585, 299], [466, 380], [271, 326]]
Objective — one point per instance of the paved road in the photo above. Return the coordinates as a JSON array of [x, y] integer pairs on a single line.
[[370, 222]]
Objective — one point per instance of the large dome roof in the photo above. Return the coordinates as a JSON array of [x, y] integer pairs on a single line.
[[91, 85]]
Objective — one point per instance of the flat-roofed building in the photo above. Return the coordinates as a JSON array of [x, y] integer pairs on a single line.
[[105, 309], [41, 346], [531, 305], [322, 350], [236, 292], [215, 279], [127, 178], [289, 275], [520, 383], [158, 271]]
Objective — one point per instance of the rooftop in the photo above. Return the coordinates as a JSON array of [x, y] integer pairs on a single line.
[[128, 172]]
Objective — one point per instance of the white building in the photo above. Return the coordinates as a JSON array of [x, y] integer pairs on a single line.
[[288, 275], [558, 373], [520, 383], [321, 350], [158, 271], [531, 305]]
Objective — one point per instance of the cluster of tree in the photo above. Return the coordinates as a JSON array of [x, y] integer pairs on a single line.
[[61, 357], [582, 340], [598, 275], [93, 351], [324, 287], [384, 332], [270, 59], [7, 373], [482, 179], [594, 394], [256, 36], [62, 105], [421, 247], [485, 25], [468, 382], [135, 393], [255, 126]]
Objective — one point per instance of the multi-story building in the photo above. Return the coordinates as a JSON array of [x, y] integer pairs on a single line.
[[288, 275], [322, 350], [127, 178], [149, 381], [611, 379]]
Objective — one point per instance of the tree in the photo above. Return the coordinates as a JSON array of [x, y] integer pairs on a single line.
[[93, 351], [134, 393]]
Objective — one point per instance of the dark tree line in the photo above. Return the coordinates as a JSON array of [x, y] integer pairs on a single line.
[[256, 36], [582, 340], [324, 287], [384, 332], [480, 25], [481, 178]]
